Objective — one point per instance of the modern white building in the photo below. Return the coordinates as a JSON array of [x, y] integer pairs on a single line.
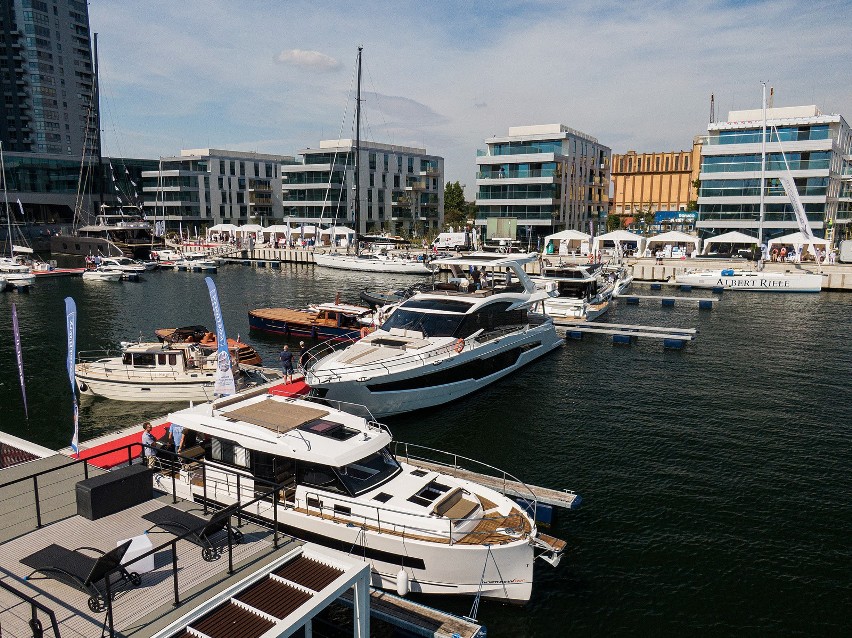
[[401, 187], [548, 177], [817, 149], [211, 186]]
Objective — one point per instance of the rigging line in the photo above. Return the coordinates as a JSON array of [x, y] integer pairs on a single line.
[[379, 108]]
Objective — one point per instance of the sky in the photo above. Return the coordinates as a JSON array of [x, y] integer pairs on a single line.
[[278, 76]]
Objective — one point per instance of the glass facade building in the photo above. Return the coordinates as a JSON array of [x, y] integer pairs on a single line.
[[547, 178], [813, 146]]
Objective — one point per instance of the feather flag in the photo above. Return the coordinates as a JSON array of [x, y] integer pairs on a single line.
[[19, 357], [224, 384], [71, 322]]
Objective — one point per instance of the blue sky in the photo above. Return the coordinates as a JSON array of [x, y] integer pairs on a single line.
[[277, 76]]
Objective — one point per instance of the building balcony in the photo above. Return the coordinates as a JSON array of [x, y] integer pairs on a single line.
[[542, 201]]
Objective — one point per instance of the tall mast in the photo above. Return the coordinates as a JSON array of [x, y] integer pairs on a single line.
[[357, 156], [762, 172], [6, 202], [97, 100]]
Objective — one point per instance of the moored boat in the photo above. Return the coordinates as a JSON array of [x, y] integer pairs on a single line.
[[334, 321], [373, 262], [208, 343], [102, 274], [751, 280], [583, 292]]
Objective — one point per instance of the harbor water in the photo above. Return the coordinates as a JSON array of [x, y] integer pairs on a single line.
[[715, 479]]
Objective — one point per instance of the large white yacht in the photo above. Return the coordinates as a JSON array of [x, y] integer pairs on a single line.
[[341, 484], [379, 261], [752, 280], [159, 372], [442, 344], [584, 291]]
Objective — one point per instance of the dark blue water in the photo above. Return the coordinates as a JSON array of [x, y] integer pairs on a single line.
[[716, 479]]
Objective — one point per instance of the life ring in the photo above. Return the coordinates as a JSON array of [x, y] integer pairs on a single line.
[[364, 331], [459, 345]]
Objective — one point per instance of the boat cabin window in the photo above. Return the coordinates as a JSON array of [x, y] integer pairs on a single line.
[[172, 359], [492, 317], [332, 430], [369, 472], [229, 452], [140, 359], [320, 476], [431, 325], [443, 305]]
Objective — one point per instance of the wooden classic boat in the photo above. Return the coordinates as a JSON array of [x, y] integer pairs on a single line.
[[246, 355], [328, 321]]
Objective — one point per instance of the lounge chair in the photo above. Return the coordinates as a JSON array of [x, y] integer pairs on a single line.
[[179, 522], [86, 573]]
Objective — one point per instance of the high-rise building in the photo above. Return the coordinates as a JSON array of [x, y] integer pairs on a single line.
[[815, 146], [655, 182], [49, 103], [210, 186], [401, 187], [548, 177]]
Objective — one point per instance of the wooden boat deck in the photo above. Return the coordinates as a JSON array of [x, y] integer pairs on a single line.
[[291, 316]]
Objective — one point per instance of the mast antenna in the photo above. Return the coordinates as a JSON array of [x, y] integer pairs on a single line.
[[712, 108]]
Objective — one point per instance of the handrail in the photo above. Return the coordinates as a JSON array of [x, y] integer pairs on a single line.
[[35, 623]]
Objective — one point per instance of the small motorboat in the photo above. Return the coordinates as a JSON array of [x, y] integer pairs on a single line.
[[246, 355], [102, 274], [327, 321]]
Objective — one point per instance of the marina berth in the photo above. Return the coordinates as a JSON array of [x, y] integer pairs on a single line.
[[341, 485], [160, 372], [442, 344], [327, 321]]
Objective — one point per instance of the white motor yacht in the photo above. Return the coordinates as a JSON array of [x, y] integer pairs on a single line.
[[102, 274], [341, 484], [373, 262], [16, 272], [583, 291], [442, 344], [752, 280], [159, 372], [123, 264]]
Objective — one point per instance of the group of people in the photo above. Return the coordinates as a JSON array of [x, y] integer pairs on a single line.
[[175, 440], [795, 255], [287, 360], [92, 261]]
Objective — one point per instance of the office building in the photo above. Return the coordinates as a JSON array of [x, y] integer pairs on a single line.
[[549, 178], [401, 188], [49, 95], [816, 148], [210, 186], [659, 183]]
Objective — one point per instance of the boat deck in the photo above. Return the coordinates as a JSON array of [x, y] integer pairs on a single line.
[[291, 316]]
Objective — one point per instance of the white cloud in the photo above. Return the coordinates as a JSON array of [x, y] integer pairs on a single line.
[[313, 60]]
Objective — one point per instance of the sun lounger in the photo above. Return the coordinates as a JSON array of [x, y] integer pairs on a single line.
[[201, 530], [86, 573]]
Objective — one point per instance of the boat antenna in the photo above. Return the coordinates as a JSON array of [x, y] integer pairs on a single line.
[[357, 157], [762, 172]]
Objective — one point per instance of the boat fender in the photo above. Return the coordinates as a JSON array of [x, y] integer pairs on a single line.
[[728, 272], [401, 582], [459, 345], [83, 386]]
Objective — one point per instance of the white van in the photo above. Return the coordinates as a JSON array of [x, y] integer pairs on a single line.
[[452, 241]]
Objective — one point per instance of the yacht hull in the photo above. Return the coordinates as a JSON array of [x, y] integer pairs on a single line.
[[445, 380], [351, 262], [752, 281], [122, 387]]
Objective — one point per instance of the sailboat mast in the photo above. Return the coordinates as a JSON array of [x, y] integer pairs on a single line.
[[762, 172], [97, 101], [6, 202], [358, 155]]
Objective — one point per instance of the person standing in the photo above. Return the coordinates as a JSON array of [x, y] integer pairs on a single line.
[[148, 441], [303, 355], [286, 358]]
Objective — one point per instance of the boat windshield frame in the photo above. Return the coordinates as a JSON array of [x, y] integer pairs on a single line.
[[430, 324], [372, 477]]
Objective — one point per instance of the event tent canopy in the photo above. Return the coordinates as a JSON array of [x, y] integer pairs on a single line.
[[226, 228], [675, 238], [277, 229], [338, 230], [796, 240], [734, 238], [618, 237], [249, 228]]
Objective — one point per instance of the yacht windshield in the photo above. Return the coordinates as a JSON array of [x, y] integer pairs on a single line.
[[369, 472], [430, 324]]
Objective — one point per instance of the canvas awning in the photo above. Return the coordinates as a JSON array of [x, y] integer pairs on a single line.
[[249, 228], [618, 237], [338, 230], [795, 240], [735, 238], [673, 238]]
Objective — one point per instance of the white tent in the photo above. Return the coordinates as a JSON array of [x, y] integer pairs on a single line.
[[795, 240], [305, 230], [249, 228], [567, 241], [337, 235], [735, 238], [337, 230], [222, 230], [618, 238], [673, 238], [278, 229]]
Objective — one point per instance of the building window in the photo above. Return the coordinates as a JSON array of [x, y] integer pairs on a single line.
[[677, 162], [667, 163], [686, 163], [658, 164]]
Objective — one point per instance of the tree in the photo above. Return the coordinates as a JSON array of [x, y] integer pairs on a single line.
[[613, 222], [456, 209]]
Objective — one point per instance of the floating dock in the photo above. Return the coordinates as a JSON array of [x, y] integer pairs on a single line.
[[703, 303], [621, 333], [555, 498]]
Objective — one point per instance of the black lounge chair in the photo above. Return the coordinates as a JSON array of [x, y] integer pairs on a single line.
[[86, 573], [201, 530]]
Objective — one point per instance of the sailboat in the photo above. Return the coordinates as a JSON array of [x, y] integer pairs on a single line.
[[13, 272], [379, 261], [759, 280]]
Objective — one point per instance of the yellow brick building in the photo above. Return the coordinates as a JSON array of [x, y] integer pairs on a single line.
[[655, 181]]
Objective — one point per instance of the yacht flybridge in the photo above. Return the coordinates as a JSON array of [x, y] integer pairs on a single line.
[[340, 484], [444, 343]]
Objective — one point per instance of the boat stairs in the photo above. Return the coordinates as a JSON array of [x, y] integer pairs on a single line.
[[626, 334]]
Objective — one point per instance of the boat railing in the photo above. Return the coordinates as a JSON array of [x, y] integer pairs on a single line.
[[454, 461], [35, 606]]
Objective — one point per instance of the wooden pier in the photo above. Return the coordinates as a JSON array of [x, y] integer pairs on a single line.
[[621, 333], [565, 499]]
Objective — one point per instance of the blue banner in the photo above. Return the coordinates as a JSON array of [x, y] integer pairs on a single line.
[[71, 322], [19, 356], [224, 376]]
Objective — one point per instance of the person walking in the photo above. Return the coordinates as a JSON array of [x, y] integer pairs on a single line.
[[286, 358], [148, 441]]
